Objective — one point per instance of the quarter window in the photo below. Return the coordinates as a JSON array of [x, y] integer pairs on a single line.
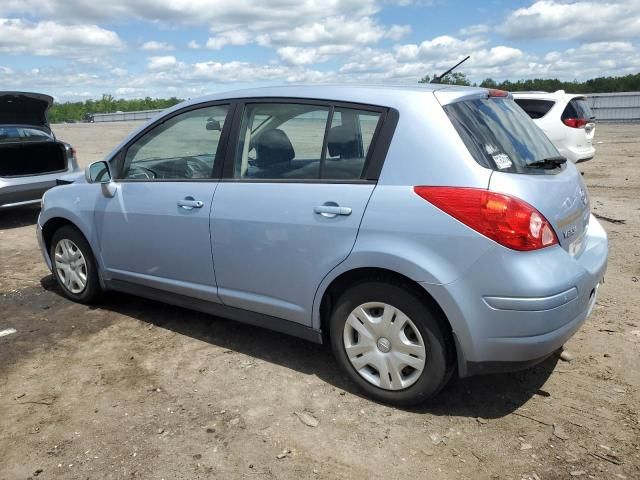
[[181, 148]]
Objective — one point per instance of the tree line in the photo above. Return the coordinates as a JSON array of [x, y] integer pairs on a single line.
[[81, 111], [627, 83]]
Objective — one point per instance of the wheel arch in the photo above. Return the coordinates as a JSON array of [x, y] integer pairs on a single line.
[[357, 275], [54, 223]]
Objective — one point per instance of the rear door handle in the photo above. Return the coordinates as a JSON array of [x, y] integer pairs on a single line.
[[331, 211], [189, 203]]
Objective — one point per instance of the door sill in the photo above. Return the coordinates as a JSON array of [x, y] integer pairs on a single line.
[[232, 313]]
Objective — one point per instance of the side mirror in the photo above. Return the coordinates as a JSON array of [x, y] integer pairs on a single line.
[[213, 124], [97, 172]]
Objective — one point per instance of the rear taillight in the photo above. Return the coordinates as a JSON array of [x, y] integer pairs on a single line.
[[575, 122], [507, 220]]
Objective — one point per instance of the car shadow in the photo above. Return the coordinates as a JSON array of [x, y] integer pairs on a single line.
[[19, 217], [488, 396]]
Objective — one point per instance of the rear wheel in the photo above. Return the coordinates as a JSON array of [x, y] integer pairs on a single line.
[[389, 342], [74, 265]]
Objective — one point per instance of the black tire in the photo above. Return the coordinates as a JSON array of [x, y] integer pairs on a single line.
[[437, 369], [92, 289]]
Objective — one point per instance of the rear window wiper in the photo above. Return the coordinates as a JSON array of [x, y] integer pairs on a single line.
[[550, 162]]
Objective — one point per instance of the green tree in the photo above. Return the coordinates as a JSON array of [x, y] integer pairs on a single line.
[[454, 78]]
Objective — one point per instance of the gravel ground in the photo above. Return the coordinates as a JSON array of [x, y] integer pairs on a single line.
[[136, 389]]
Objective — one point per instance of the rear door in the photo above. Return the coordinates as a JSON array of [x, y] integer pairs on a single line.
[[297, 183]]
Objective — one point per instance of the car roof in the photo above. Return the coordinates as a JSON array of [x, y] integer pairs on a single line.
[[384, 95]]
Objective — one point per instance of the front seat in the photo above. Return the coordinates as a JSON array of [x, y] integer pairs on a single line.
[[274, 153]]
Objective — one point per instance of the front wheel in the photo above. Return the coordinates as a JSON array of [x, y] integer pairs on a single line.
[[389, 342], [74, 265]]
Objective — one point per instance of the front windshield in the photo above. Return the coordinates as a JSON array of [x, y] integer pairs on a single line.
[[499, 134], [12, 134]]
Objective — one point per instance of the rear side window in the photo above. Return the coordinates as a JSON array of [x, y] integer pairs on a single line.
[[499, 134], [288, 141], [577, 108], [535, 108]]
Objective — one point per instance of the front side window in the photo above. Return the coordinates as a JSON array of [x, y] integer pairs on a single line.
[[181, 148], [292, 141]]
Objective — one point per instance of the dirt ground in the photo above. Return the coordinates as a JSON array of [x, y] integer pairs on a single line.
[[137, 389]]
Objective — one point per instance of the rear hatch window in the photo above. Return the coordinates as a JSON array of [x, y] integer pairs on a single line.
[[501, 136], [578, 108], [535, 108]]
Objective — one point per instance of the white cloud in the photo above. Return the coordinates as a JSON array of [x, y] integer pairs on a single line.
[[153, 46], [590, 21], [49, 38], [309, 55], [194, 45], [162, 63], [440, 47], [220, 14], [472, 30], [331, 30], [396, 32], [230, 37]]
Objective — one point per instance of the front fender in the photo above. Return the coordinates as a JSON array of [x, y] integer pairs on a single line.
[[74, 203]]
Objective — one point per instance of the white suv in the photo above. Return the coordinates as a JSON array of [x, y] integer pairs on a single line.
[[565, 118]]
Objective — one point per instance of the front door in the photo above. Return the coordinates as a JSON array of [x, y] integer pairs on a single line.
[[155, 230], [291, 206]]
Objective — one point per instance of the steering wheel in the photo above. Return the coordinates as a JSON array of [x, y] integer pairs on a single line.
[[138, 171], [198, 168]]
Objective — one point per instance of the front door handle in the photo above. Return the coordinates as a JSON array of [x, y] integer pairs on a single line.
[[189, 203], [331, 211]]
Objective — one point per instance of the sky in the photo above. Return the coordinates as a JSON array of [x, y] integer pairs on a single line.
[[79, 49]]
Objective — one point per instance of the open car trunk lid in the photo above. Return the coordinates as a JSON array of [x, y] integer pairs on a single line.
[[25, 108]]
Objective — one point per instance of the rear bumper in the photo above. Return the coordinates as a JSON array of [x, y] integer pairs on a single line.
[[578, 154], [20, 191], [514, 309]]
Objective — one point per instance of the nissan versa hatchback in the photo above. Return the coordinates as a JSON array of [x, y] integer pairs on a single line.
[[420, 231]]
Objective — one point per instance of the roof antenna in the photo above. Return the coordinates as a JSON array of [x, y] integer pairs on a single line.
[[439, 78]]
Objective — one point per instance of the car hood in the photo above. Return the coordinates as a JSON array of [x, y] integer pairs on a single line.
[[25, 108]]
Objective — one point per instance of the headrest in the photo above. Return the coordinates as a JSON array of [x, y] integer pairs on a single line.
[[273, 147], [343, 142]]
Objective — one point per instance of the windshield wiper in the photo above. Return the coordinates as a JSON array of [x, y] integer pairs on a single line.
[[551, 162]]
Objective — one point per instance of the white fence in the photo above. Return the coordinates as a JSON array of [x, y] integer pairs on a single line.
[[123, 116], [615, 107]]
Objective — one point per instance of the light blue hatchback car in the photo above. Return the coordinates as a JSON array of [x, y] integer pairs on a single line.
[[420, 231]]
